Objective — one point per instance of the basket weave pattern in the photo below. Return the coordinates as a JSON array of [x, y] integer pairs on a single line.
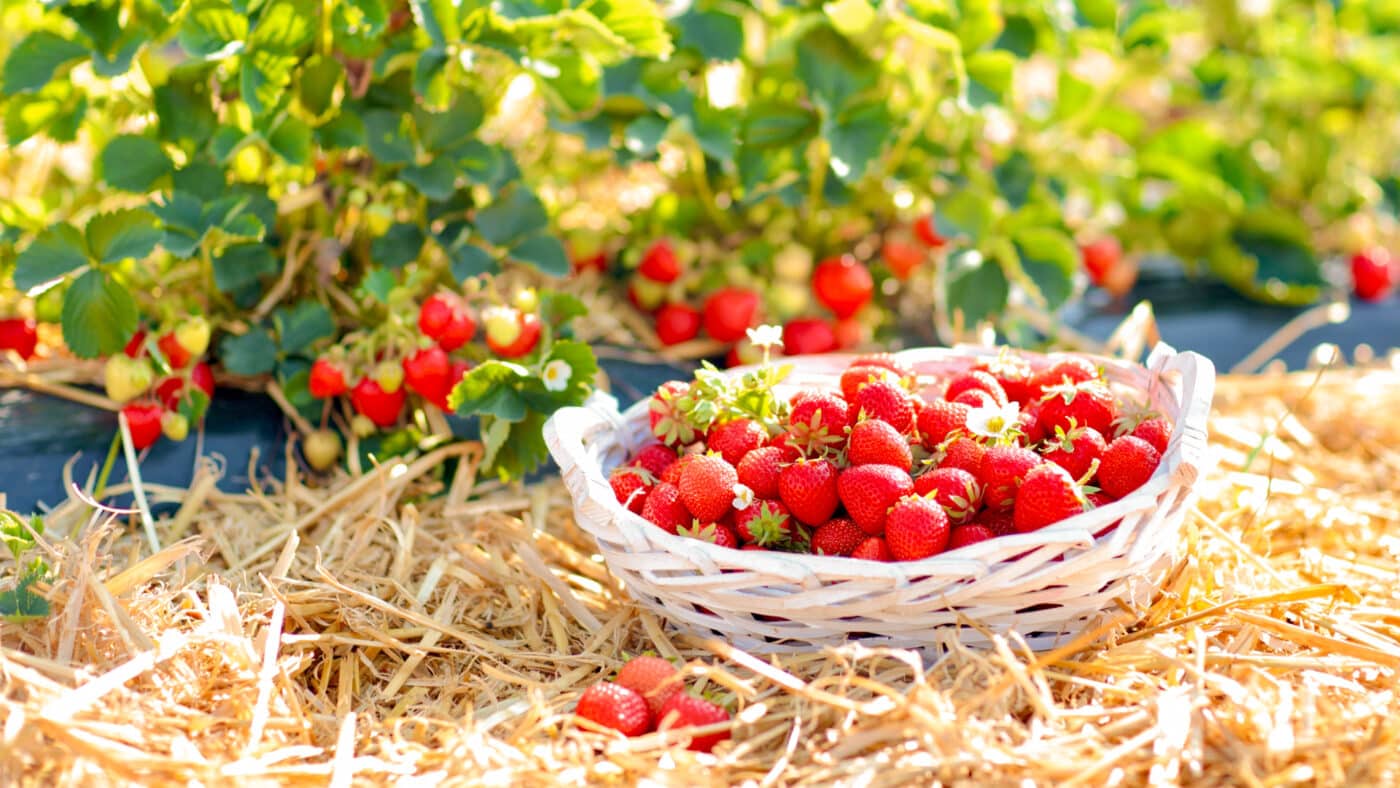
[[1046, 585]]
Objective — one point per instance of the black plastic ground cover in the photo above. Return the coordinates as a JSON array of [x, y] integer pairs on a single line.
[[38, 434]]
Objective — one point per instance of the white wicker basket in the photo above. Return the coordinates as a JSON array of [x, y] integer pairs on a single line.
[[1047, 585]]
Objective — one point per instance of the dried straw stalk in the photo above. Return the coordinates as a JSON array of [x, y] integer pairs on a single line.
[[355, 632]]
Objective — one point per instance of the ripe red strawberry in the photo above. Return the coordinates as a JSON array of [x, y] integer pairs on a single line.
[[873, 549], [917, 527], [175, 353], [1100, 258], [1003, 469], [1157, 432], [902, 258], [849, 332], [143, 420], [707, 487], [326, 380], [659, 264], [374, 403], [654, 678], [615, 706], [963, 452], [435, 314], [714, 533], [855, 377], [955, 489], [764, 522], [734, 439], [655, 458], [672, 474], [809, 488], [925, 230], [807, 335], [760, 469], [887, 402], [525, 340], [837, 536], [1071, 405], [677, 323], [1015, 376], [1048, 495], [1373, 274], [1032, 430], [972, 533], [461, 327], [1075, 450], [976, 398], [886, 360], [630, 485], [682, 710], [975, 379], [875, 442], [1072, 369], [1126, 465], [938, 419], [663, 508], [817, 421], [1000, 523], [843, 285], [429, 373], [20, 335], [729, 312], [868, 492], [667, 412]]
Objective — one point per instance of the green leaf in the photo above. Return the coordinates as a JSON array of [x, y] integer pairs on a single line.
[[263, 79], [303, 325], [1014, 178], [320, 85], [34, 60], [253, 353], [544, 253], [22, 603], [469, 260], [716, 34], [291, 140], [965, 214], [239, 266], [857, 138], [134, 163], [384, 134], [573, 80], [516, 214], [430, 77], [399, 246], [378, 283], [777, 126], [285, 26], [193, 404], [833, 70], [1097, 13], [513, 449], [990, 73], [638, 23], [213, 31], [436, 180], [491, 389], [184, 109], [438, 18], [557, 309], [441, 132], [57, 251], [130, 233], [977, 287], [56, 111], [99, 315], [642, 135], [850, 17], [1049, 258], [357, 25]]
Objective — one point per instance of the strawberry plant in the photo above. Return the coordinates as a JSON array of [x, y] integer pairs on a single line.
[[21, 602]]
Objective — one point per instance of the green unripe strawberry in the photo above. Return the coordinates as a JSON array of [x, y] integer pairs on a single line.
[[322, 449], [389, 376], [502, 325], [175, 426], [193, 335], [127, 378]]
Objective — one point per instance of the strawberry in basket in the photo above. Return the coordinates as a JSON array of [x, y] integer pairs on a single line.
[[886, 465]]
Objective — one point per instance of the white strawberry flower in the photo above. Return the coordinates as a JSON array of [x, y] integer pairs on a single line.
[[556, 375], [766, 336], [995, 421], [743, 496]]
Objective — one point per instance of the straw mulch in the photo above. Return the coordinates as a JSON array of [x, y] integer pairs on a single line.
[[370, 630]]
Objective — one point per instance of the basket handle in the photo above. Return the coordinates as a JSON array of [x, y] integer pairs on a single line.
[[1197, 390]]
